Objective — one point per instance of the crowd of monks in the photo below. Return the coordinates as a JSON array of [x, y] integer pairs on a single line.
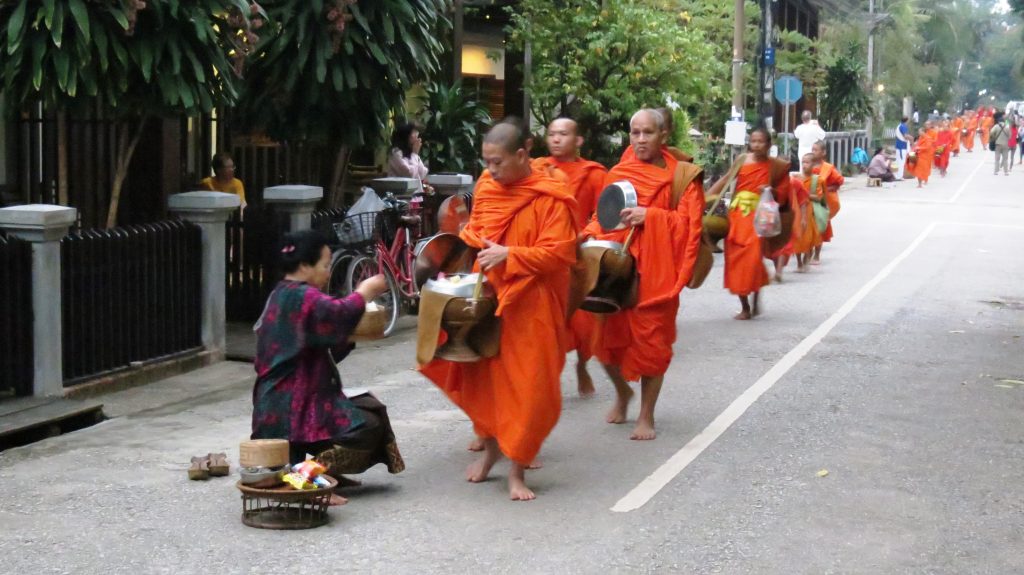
[[938, 140], [529, 217]]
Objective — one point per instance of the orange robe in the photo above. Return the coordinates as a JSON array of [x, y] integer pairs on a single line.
[[639, 339], [745, 271], [943, 148], [805, 229], [828, 177], [972, 128], [924, 147], [958, 129], [585, 180], [986, 126], [516, 397]]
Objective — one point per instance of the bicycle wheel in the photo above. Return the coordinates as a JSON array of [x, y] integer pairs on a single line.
[[364, 267], [337, 284]]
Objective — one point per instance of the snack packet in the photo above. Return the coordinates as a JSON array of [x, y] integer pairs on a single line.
[[297, 481], [309, 469]]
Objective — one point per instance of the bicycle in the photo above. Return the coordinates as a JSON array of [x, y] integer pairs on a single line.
[[372, 253]]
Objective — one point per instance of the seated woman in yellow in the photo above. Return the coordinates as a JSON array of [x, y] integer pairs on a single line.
[[224, 179]]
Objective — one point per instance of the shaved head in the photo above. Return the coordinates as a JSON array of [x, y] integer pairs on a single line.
[[654, 115], [509, 135], [563, 139]]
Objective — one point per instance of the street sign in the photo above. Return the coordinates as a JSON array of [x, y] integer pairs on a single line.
[[788, 89], [769, 56]]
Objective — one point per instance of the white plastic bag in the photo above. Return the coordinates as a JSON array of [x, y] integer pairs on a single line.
[[368, 202], [767, 222]]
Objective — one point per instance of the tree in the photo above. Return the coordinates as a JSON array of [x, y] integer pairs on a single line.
[[600, 61], [333, 72], [842, 95], [452, 123], [132, 59]]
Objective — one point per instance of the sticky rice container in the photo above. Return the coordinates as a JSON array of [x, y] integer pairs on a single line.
[[372, 325]]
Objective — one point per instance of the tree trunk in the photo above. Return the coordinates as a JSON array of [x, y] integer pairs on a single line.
[[62, 158], [126, 142], [336, 195]]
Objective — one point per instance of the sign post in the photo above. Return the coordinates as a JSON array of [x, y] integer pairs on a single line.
[[788, 90]]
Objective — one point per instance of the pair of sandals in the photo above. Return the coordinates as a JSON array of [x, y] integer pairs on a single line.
[[209, 465]]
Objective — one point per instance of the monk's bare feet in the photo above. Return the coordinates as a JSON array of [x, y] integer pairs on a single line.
[[644, 430], [617, 414], [584, 383], [536, 464], [476, 445], [481, 468], [778, 278], [337, 500], [517, 489], [742, 315]]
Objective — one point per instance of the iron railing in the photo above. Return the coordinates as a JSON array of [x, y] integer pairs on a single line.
[[130, 294], [16, 352]]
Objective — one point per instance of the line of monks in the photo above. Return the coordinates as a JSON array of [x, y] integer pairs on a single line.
[[529, 217], [938, 140]]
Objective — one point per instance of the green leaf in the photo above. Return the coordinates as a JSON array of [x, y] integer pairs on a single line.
[[14, 30], [46, 10], [61, 64], [81, 15], [120, 16], [100, 38], [186, 95], [338, 77]]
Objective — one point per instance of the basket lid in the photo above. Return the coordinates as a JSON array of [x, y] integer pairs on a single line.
[[263, 453]]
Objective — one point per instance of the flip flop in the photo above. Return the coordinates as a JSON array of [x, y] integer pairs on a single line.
[[219, 466], [200, 468]]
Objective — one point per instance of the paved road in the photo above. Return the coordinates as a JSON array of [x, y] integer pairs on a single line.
[[895, 366]]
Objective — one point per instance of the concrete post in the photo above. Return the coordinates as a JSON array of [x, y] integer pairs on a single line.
[[296, 201], [210, 211], [44, 226]]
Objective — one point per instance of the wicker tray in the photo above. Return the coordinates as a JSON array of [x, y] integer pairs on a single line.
[[284, 507]]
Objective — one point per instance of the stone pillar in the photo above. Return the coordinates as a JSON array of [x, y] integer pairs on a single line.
[[44, 226], [210, 211], [296, 201]]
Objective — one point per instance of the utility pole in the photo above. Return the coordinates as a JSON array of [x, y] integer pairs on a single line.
[[871, 67], [737, 61]]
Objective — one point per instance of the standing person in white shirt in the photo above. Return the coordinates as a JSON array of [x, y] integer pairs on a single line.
[[807, 133], [903, 141], [404, 160]]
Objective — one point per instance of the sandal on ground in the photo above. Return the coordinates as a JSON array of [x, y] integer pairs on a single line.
[[200, 468], [219, 466]]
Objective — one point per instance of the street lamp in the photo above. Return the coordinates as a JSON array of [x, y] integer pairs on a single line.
[[881, 88]]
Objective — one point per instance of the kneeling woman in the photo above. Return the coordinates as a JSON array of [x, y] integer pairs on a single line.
[[298, 394]]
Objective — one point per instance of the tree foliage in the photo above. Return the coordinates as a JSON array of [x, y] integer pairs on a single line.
[[333, 71], [600, 61], [452, 123], [131, 59], [842, 94]]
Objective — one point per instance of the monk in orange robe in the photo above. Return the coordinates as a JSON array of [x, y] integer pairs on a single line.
[[943, 147], [985, 128], [829, 182], [806, 236], [957, 126], [522, 223], [636, 343], [745, 272], [585, 180], [924, 149], [972, 130]]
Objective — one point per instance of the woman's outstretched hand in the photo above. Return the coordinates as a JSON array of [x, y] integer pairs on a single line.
[[371, 288]]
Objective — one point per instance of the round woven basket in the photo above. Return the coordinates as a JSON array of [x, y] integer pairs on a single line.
[[371, 326], [284, 507], [263, 453]]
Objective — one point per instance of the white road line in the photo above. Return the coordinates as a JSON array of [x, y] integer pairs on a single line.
[[963, 186], [654, 483]]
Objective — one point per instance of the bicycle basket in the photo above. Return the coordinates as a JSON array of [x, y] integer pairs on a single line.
[[359, 230]]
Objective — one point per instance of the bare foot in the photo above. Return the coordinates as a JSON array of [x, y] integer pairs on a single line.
[[481, 468], [644, 431], [778, 278], [337, 500], [617, 414], [536, 464], [476, 445], [517, 489], [584, 383], [742, 315]]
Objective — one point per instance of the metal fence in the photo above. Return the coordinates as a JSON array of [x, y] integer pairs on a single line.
[[130, 294], [16, 352], [251, 260]]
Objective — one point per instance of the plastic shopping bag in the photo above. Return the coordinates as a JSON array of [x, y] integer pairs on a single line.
[[767, 222], [368, 202]]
